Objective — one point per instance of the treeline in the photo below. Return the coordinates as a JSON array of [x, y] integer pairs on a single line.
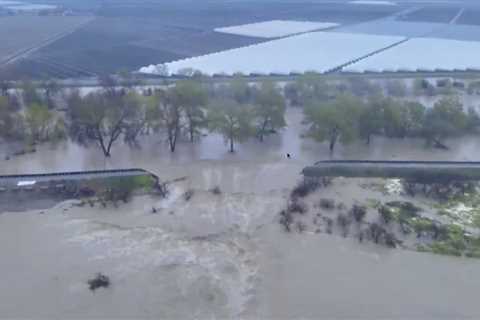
[[31, 117], [358, 109], [186, 110], [335, 112]]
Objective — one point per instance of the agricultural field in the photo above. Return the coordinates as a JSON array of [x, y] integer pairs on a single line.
[[20, 33], [438, 14], [275, 28], [391, 27], [410, 55], [127, 35], [319, 51], [457, 32], [470, 16]]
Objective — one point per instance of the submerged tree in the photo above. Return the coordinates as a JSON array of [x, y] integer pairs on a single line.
[[4, 87], [137, 122], [39, 121], [192, 98], [11, 123], [168, 112], [30, 94], [232, 120], [334, 121], [240, 91], [269, 109], [100, 118], [445, 119], [371, 120], [51, 89], [307, 88]]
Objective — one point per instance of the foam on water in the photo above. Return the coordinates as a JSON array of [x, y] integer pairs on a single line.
[[228, 262]]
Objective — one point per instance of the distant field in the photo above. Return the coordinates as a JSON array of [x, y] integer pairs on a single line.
[[433, 14], [470, 16], [18, 33], [316, 51], [108, 45], [275, 28], [392, 27], [129, 34], [411, 56]]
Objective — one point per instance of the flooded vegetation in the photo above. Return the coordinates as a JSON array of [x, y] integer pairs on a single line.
[[389, 212], [242, 234]]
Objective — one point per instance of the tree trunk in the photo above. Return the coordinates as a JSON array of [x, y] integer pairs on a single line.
[[332, 144], [172, 142], [231, 145], [106, 152], [262, 130], [191, 133], [191, 127], [172, 137]]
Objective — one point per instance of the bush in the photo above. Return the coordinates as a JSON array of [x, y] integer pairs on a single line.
[[305, 187], [358, 212], [145, 182], [344, 223], [386, 214], [390, 240], [216, 190], [406, 210], [286, 220], [329, 222], [375, 232], [327, 204], [120, 188], [100, 281], [445, 249], [296, 207], [301, 227]]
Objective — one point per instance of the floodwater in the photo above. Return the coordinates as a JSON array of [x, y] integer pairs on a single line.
[[219, 256]]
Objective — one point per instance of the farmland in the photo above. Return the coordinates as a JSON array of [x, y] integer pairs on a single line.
[[448, 55], [320, 51], [275, 28], [18, 34], [127, 35]]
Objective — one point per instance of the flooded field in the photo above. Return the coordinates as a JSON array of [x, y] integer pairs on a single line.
[[224, 255]]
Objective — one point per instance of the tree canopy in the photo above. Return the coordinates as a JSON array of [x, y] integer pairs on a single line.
[[446, 119], [191, 97], [269, 110], [335, 120], [101, 118], [232, 120]]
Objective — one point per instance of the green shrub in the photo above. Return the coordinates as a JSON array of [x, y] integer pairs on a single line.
[[445, 248]]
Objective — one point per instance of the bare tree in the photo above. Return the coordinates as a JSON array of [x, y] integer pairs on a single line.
[[101, 119]]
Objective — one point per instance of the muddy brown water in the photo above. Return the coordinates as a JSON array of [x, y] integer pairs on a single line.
[[219, 256]]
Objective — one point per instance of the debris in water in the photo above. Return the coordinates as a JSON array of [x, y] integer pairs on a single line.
[[216, 190], [188, 194], [100, 281]]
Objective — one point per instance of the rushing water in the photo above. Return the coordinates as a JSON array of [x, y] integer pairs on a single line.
[[219, 256]]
